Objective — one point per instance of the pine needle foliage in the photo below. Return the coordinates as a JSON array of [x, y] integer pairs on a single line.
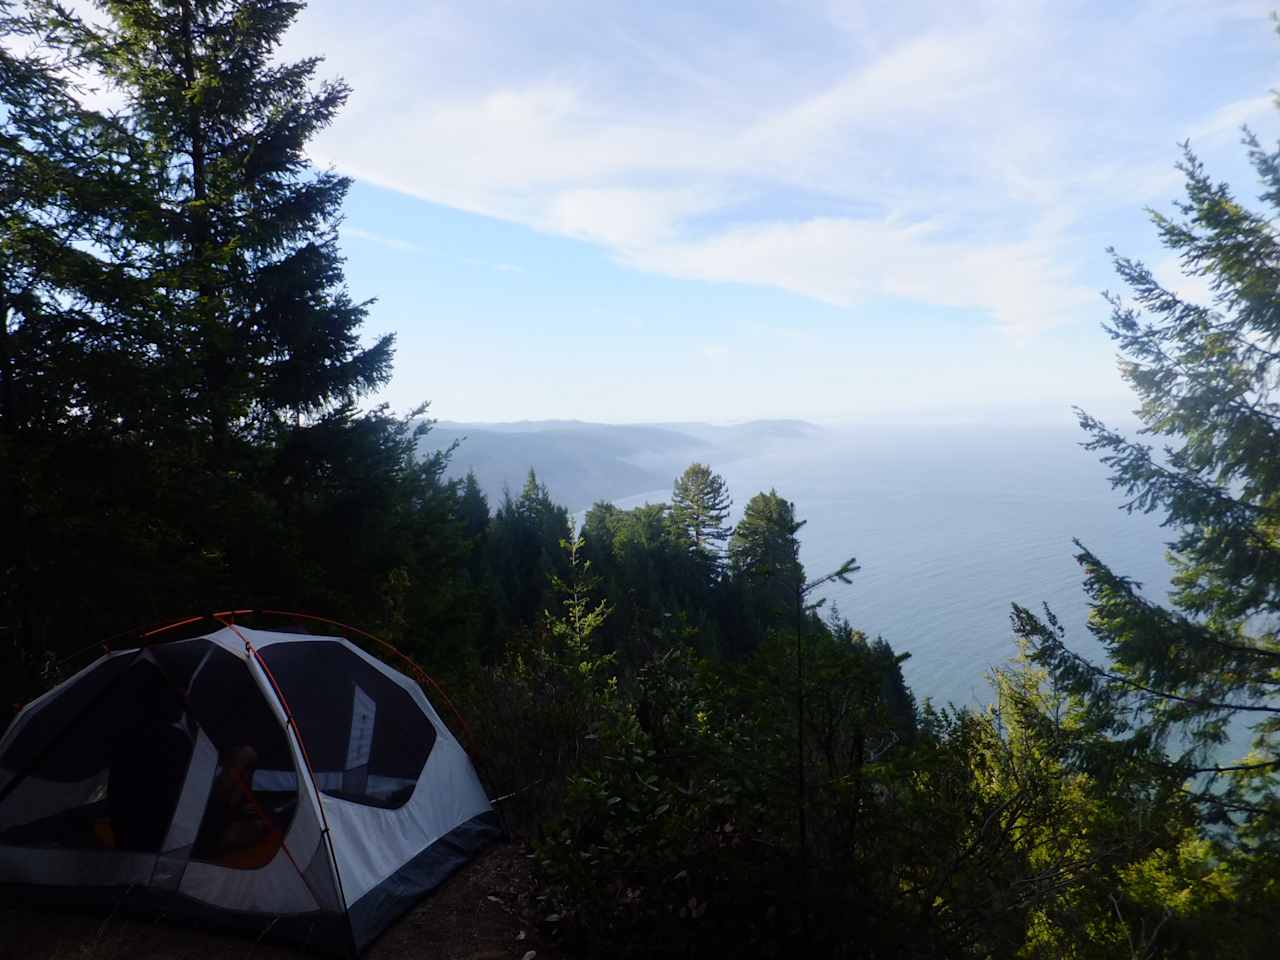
[[1205, 375]]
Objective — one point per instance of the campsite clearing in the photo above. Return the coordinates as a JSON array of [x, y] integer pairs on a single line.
[[479, 914]]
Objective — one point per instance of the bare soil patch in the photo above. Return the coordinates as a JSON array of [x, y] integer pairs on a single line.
[[485, 912]]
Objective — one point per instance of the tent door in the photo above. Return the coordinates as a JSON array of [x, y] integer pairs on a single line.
[[185, 825]]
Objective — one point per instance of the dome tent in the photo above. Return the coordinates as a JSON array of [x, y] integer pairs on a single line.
[[276, 782]]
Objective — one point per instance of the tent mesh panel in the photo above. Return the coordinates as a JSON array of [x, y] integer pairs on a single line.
[[366, 738]]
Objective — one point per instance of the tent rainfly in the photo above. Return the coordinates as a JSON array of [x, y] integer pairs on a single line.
[[274, 782]]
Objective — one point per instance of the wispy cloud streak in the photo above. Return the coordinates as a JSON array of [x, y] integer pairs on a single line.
[[951, 160]]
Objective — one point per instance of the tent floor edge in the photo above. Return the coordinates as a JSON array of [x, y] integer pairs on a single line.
[[395, 896], [324, 933]]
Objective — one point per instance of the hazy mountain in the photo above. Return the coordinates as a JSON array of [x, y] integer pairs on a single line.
[[585, 462]]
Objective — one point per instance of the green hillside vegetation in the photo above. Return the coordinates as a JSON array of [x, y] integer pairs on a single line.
[[705, 759]]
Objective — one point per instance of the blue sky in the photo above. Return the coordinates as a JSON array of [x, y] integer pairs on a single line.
[[730, 210]]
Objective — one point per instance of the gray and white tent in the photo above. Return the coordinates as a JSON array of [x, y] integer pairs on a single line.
[[270, 781]]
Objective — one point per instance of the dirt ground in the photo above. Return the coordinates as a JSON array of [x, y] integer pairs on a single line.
[[484, 912]]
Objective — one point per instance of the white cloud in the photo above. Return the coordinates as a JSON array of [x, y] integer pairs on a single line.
[[1225, 123], [626, 218], [661, 187], [1023, 286], [954, 156], [392, 243], [922, 79]]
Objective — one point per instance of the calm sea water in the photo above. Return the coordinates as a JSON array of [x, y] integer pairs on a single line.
[[951, 525]]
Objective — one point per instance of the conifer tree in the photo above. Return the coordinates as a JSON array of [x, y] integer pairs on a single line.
[[764, 563], [68, 377], [524, 543], [240, 238], [67, 175], [764, 544], [1207, 457], [700, 506], [473, 506], [207, 358]]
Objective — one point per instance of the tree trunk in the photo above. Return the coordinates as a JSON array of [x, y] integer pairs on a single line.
[[18, 591], [214, 361]]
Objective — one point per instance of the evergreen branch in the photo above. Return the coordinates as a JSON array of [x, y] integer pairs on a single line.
[[1159, 475], [1097, 671], [1234, 806], [1235, 768], [841, 574]]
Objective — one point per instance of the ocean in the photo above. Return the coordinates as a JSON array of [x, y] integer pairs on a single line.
[[950, 526]]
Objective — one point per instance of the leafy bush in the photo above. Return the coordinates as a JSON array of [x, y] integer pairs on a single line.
[[683, 831], [540, 703]]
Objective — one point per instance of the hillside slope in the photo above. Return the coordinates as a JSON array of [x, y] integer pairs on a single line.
[[582, 463]]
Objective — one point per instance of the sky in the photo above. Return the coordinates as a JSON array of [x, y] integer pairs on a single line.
[[729, 209]]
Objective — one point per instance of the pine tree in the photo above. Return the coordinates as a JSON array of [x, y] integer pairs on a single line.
[[524, 546], [191, 342], [572, 632], [240, 237], [764, 544], [474, 506], [764, 564], [1206, 375], [700, 506], [257, 354], [67, 175], [68, 375]]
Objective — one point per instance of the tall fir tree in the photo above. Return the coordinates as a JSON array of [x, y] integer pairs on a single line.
[[474, 506], [764, 564], [524, 544], [69, 368], [764, 544], [1206, 375], [259, 332], [211, 359], [69, 178], [700, 505]]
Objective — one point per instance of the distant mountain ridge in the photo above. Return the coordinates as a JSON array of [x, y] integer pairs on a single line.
[[583, 462]]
